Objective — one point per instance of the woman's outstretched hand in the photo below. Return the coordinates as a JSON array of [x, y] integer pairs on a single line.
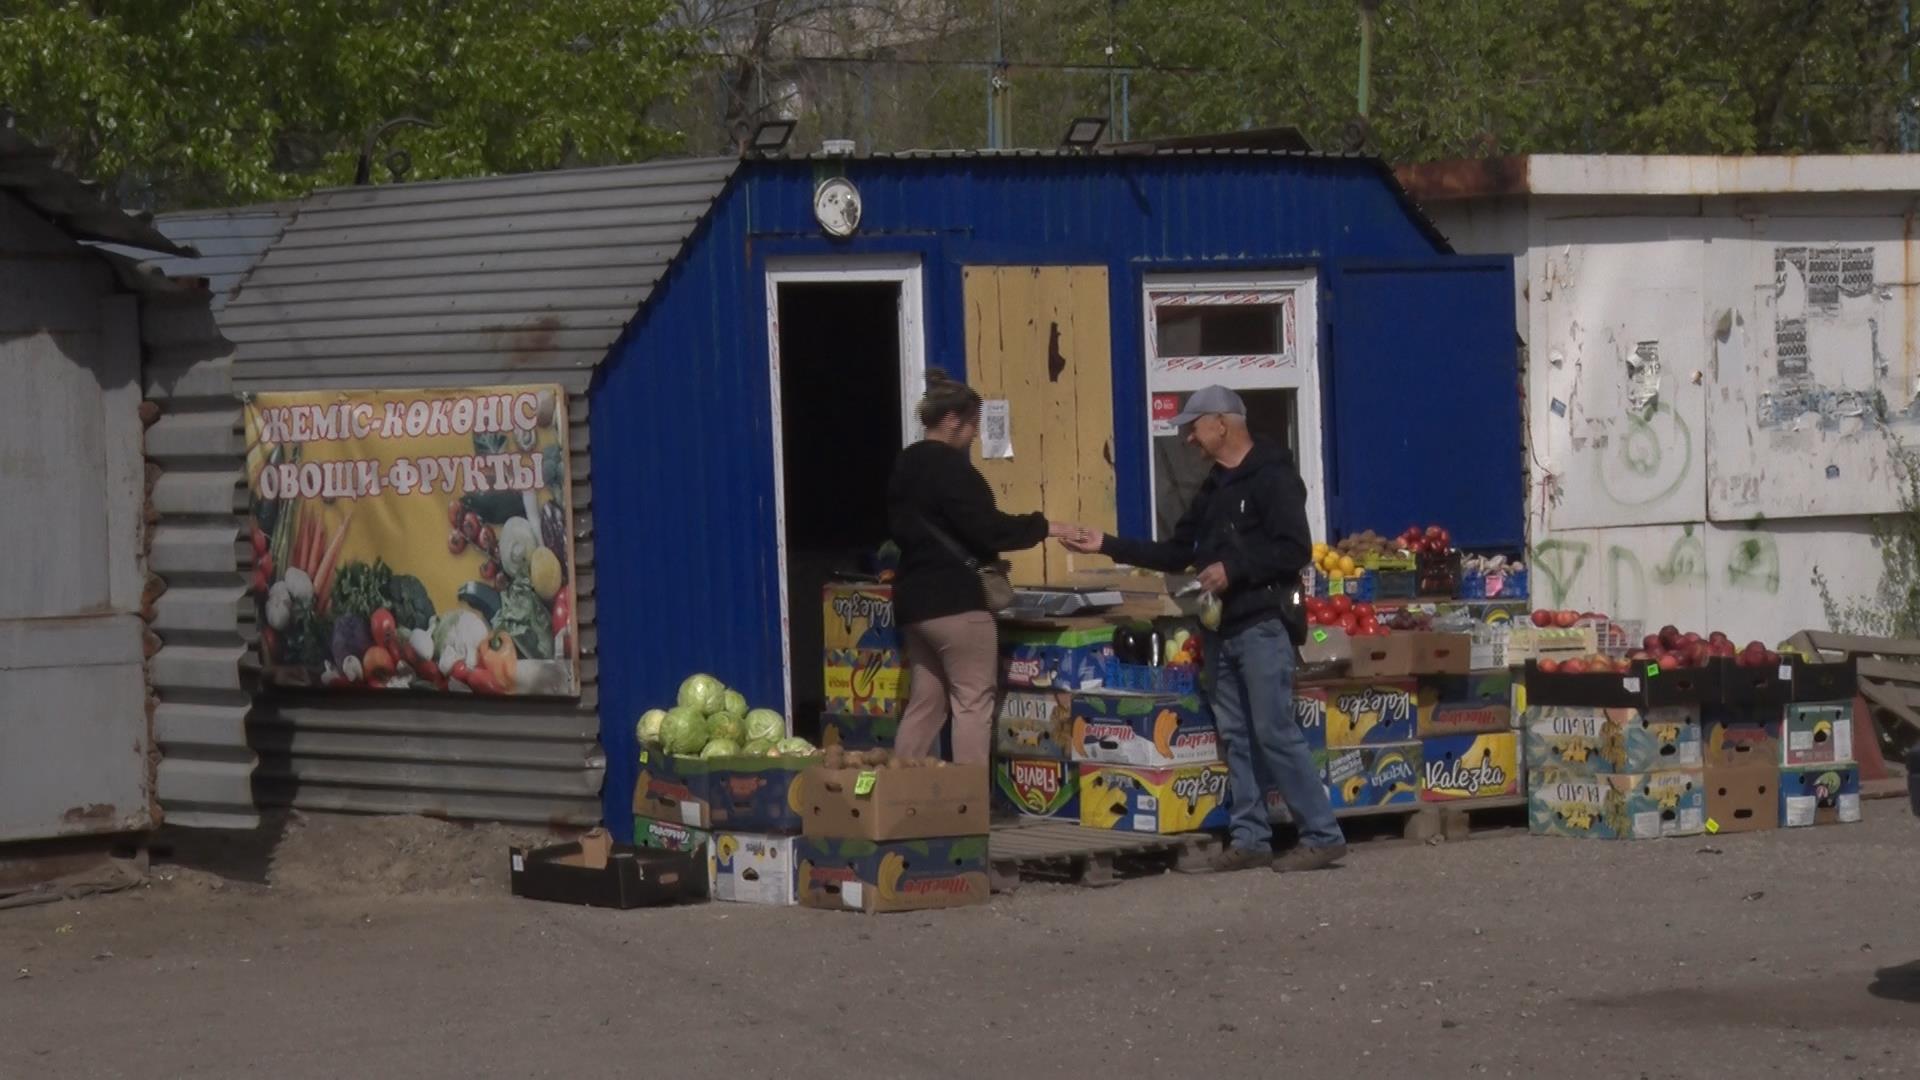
[[1078, 538]]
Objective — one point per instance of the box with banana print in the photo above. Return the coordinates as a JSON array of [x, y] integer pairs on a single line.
[[894, 875], [1368, 777], [1592, 741], [1182, 799], [1153, 731], [1562, 801], [1368, 713], [1034, 724]]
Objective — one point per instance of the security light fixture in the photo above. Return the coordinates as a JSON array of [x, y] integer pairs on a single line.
[[1084, 133], [770, 138]]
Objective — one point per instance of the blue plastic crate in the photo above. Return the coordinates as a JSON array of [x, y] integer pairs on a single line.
[[1141, 679]]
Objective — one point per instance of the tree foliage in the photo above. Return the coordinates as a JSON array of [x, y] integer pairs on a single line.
[[186, 102]]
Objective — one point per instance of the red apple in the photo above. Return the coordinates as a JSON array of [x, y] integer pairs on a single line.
[[1543, 618], [1574, 667], [1773, 659], [1549, 666], [1719, 638], [1652, 643], [1670, 636], [1690, 638], [1669, 662], [1565, 619]]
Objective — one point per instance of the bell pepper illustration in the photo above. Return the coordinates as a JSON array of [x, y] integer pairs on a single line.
[[893, 866], [497, 657], [1164, 725]]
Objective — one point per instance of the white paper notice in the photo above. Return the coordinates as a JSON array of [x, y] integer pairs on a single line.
[[853, 895], [996, 430]]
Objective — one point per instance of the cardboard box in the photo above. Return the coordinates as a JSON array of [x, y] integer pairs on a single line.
[[1588, 807], [1034, 724], [1070, 657], [1483, 766], [752, 869], [1473, 688], [741, 793], [895, 803], [1571, 741], [1151, 730], [1818, 734], [599, 873], [1359, 778], [866, 682], [1436, 719], [1441, 654], [1742, 736], [1038, 787], [897, 875], [669, 835], [1187, 798], [672, 789], [1819, 795], [1360, 713], [859, 617], [1742, 798], [1550, 643], [859, 732], [1670, 802]]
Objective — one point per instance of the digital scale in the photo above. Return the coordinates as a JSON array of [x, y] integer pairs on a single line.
[[1040, 604]]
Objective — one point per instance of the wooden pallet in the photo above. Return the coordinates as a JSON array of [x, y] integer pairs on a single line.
[[1450, 820], [1059, 851]]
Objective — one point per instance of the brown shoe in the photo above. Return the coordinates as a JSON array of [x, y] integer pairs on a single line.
[[1230, 859], [1309, 858]]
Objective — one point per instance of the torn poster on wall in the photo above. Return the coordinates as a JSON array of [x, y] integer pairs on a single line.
[[1643, 376], [1828, 362]]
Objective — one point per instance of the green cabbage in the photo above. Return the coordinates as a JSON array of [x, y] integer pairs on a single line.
[[793, 747], [758, 748], [725, 726], [733, 703], [702, 692], [683, 732], [648, 730], [720, 748], [766, 724]]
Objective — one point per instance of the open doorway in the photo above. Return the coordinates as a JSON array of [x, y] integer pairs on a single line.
[[846, 360]]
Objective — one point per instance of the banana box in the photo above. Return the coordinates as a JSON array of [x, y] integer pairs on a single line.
[[1367, 713], [859, 732], [1819, 734], [742, 793], [1743, 798], [1155, 731], [1482, 766], [1595, 741], [668, 835], [1471, 704], [1186, 798], [859, 617], [1369, 777], [1038, 787], [866, 682], [1671, 802], [1561, 802], [1067, 658], [1819, 795], [1742, 736], [1034, 724], [897, 875], [753, 869]]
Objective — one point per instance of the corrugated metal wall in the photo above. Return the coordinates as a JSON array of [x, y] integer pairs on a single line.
[[682, 425], [197, 592], [523, 279]]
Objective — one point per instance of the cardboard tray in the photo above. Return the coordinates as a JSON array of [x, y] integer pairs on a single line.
[[608, 875], [895, 803], [1750, 685], [1684, 686], [1825, 682]]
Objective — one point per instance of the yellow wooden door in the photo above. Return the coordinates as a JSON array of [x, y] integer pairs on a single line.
[[1038, 338]]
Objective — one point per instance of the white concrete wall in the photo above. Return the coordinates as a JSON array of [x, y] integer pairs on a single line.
[[1701, 375]]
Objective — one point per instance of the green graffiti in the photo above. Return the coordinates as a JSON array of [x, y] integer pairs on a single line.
[[1559, 563], [1626, 583], [1653, 456], [1755, 565], [1686, 562]]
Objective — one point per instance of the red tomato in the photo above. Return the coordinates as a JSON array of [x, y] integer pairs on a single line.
[[1350, 624], [382, 625], [1342, 606], [1365, 611]]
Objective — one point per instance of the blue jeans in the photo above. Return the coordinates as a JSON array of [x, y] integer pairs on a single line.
[[1251, 692]]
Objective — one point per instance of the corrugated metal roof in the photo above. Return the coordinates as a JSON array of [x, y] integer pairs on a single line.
[[1633, 175], [76, 206], [530, 272], [229, 243]]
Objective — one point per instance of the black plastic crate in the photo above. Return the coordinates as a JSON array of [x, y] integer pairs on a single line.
[[633, 877], [1634, 690], [1681, 686], [1750, 685], [1825, 682]]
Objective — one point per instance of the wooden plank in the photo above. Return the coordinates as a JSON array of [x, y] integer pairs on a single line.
[[1095, 502], [1891, 670], [1056, 342]]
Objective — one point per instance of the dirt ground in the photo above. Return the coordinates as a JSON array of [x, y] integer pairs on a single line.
[[389, 948]]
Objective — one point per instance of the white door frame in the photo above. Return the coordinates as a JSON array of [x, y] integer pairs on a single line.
[[1304, 284], [902, 270]]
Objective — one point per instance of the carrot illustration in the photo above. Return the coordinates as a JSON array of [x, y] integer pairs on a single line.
[[323, 578]]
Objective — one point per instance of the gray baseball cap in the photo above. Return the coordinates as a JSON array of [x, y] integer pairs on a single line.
[[1210, 400]]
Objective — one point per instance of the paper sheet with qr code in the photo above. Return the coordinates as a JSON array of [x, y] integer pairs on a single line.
[[996, 430]]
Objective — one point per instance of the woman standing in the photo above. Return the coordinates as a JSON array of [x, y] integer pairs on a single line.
[[941, 513]]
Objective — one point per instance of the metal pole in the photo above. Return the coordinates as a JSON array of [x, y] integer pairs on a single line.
[[1906, 80], [1126, 107]]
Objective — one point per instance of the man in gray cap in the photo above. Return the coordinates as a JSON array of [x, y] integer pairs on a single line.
[[1247, 532]]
